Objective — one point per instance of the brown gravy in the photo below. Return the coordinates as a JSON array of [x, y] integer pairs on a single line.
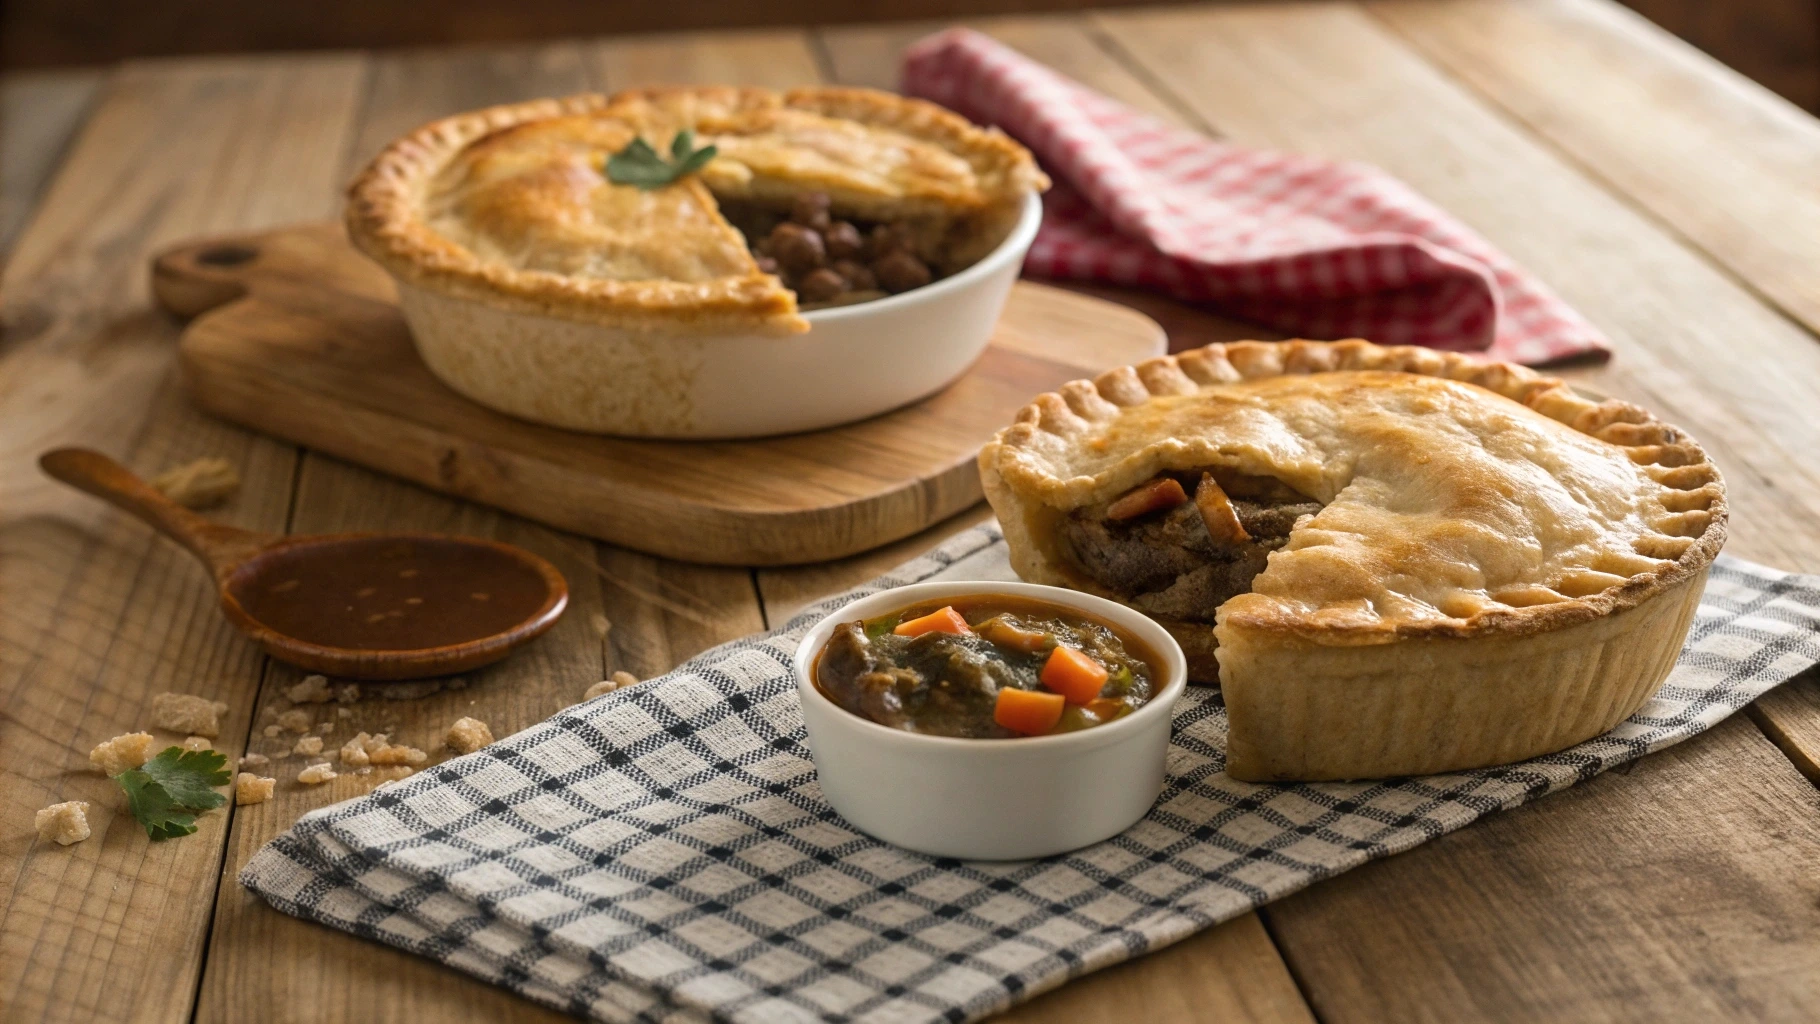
[[390, 594]]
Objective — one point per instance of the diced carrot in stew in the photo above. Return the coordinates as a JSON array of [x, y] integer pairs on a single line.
[[1029, 712], [1005, 634], [1073, 675], [942, 620], [1163, 492]]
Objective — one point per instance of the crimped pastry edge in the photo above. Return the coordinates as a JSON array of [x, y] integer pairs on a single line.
[[1074, 406], [384, 219]]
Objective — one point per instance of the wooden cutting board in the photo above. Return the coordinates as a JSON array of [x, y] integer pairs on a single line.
[[296, 334]]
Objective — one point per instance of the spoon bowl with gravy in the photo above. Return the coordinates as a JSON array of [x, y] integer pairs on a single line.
[[372, 606]]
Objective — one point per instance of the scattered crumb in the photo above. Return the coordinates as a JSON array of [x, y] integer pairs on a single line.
[[254, 761], [316, 774], [270, 711], [221, 707], [323, 728], [203, 483], [122, 752], [272, 731], [618, 680], [343, 713], [354, 751], [65, 823], [182, 712], [364, 771], [252, 789], [308, 746], [296, 720], [397, 754], [313, 690], [468, 735], [196, 743], [347, 694], [601, 626]]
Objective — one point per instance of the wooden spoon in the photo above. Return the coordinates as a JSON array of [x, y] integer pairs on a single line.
[[350, 605]]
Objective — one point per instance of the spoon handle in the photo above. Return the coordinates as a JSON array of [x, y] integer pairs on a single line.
[[220, 547]]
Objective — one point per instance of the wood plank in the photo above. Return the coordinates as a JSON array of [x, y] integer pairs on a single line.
[[101, 615], [1790, 716], [774, 58], [1324, 78], [1717, 157], [41, 112], [1685, 888]]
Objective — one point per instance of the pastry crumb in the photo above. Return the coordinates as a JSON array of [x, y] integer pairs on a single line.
[[397, 753], [252, 789], [186, 713], [316, 774], [354, 751], [296, 720], [196, 743], [203, 483], [324, 727], [254, 761], [129, 750], [343, 713], [63, 823], [313, 690], [271, 732], [468, 735], [308, 746]]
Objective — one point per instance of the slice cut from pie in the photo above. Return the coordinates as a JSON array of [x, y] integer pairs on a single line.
[[1393, 560], [513, 205]]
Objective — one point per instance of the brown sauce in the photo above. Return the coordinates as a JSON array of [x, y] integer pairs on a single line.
[[390, 594]]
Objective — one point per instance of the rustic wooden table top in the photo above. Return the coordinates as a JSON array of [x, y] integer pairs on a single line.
[[1671, 201]]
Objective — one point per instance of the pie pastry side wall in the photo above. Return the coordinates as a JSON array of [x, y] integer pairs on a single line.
[[1393, 697]]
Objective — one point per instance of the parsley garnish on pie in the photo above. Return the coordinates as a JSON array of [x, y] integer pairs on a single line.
[[169, 791], [638, 164]]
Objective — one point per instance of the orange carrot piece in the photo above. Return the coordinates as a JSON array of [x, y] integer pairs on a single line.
[[1028, 712], [1163, 492], [1106, 708], [942, 620], [1074, 675]]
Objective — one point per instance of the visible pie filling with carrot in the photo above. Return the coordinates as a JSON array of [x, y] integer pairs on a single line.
[[985, 667], [1182, 544]]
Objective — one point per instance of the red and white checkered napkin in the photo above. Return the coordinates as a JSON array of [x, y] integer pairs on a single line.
[[1317, 248]]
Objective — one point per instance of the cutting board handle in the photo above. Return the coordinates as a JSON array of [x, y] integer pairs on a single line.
[[194, 278], [220, 547]]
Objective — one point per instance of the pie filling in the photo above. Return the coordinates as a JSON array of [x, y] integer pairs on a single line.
[[828, 261], [1183, 544]]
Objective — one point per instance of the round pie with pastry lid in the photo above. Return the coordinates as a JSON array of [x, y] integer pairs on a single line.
[[1394, 561]]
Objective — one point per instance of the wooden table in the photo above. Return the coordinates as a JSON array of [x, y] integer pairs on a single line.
[[1671, 201]]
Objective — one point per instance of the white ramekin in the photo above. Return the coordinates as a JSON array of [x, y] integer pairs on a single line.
[[1008, 799], [854, 361]]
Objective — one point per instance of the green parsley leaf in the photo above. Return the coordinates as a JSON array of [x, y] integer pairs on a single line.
[[169, 790], [638, 164], [190, 776], [148, 801]]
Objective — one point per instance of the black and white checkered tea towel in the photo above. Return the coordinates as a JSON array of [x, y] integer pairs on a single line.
[[663, 853]]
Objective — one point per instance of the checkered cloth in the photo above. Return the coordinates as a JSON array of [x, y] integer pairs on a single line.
[[1316, 248], [662, 853]]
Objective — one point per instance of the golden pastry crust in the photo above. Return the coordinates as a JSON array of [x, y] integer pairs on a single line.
[[1478, 515], [510, 206]]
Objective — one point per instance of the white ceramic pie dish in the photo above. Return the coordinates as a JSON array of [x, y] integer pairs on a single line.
[[1009, 799], [854, 361]]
